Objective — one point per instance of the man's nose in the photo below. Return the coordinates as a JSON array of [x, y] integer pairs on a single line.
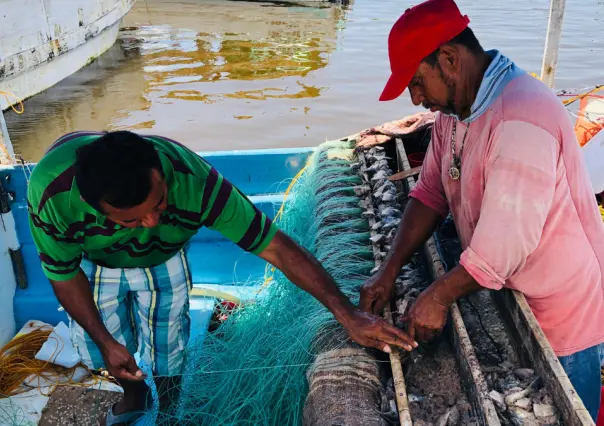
[[417, 97], [151, 220]]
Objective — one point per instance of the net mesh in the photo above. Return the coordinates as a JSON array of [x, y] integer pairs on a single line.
[[251, 369]]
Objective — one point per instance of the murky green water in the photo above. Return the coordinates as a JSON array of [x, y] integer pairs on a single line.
[[221, 75]]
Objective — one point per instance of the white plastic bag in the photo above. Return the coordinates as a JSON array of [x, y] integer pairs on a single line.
[[58, 348]]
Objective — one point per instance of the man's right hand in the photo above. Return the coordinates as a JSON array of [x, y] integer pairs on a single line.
[[120, 363], [376, 292]]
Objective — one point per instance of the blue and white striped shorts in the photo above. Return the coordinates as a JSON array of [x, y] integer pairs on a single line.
[[144, 309]]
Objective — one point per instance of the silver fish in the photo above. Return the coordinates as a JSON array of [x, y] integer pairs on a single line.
[[414, 398], [390, 222], [380, 164], [364, 204], [379, 175], [377, 238], [361, 190], [389, 211], [388, 196]]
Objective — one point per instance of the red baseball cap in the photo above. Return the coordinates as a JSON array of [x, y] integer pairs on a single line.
[[417, 33]]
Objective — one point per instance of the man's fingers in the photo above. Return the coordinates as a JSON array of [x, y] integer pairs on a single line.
[[377, 344], [422, 335], [426, 334], [389, 337], [378, 307], [365, 301], [123, 374], [132, 369], [399, 334], [411, 330]]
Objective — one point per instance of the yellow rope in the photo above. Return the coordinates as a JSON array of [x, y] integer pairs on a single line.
[[269, 268], [4, 154], [18, 363], [289, 188], [6, 95], [584, 95], [210, 292]]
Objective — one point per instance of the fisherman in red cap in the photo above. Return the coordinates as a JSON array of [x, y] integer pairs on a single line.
[[504, 161]]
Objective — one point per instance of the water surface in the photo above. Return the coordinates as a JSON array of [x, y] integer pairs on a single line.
[[221, 75]]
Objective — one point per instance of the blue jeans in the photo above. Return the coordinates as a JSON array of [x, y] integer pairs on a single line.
[[583, 370]]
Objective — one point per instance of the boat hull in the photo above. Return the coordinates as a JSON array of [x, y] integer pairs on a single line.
[[52, 41]]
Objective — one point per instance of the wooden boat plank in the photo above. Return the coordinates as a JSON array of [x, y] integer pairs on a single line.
[[534, 349]]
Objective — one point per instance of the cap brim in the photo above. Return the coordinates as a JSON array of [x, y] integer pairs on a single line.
[[397, 83]]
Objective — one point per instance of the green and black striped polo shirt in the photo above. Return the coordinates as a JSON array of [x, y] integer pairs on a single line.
[[65, 228]]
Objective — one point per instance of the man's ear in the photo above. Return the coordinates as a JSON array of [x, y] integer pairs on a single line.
[[449, 58]]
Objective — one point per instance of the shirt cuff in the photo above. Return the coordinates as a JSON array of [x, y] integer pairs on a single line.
[[435, 203], [62, 276], [267, 239], [480, 270]]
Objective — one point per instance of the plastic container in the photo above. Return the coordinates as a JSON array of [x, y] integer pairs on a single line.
[[416, 158]]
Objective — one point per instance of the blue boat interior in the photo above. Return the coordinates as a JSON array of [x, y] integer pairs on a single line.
[[217, 264]]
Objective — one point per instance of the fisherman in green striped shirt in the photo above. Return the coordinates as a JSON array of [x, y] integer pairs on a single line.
[[111, 213]]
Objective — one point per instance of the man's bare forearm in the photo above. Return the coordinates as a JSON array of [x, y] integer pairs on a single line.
[[302, 269], [76, 298], [418, 223], [454, 284]]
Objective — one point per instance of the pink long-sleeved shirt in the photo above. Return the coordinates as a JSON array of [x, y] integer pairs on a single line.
[[525, 210]]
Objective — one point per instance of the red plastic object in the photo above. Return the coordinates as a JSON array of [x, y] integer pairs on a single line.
[[600, 421], [416, 159]]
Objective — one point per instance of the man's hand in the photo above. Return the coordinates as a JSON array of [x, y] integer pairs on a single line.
[[120, 363], [302, 269], [427, 316], [376, 292], [372, 331]]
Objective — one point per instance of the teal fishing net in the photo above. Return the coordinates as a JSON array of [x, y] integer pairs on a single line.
[[251, 370]]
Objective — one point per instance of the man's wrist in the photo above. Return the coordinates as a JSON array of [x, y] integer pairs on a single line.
[[389, 272], [106, 343], [343, 310], [441, 294]]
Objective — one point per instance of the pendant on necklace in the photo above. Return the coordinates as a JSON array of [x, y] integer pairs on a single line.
[[454, 173], [455, 169]]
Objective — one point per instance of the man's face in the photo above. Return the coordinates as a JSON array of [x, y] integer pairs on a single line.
[[431, 88], [147, 213]]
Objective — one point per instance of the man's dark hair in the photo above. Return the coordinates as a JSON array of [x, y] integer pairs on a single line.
[[466, 38], [116, 168]]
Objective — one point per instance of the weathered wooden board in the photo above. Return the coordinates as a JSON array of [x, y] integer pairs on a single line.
[[534, 348], [471, 373]]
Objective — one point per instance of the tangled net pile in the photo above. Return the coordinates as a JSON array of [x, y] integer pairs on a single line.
[[251, 370]]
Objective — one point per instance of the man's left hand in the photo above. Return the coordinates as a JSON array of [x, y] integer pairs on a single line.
[[373, 331], [427, 316]]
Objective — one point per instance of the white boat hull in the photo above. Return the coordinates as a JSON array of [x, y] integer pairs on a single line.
[[44, 41]]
